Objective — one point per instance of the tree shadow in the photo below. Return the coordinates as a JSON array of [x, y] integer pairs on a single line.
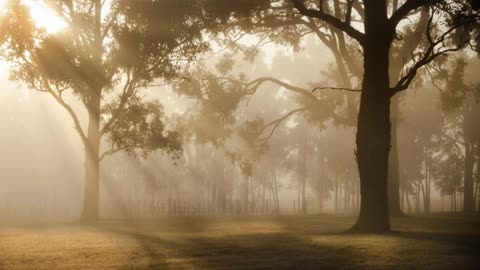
[[299, 246], [253, 251]]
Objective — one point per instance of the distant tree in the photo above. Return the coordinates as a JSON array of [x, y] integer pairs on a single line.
[[104, 57], [461, 106], [448, 172]]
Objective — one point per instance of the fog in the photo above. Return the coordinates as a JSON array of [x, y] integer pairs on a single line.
[[42, 160], [211, 134]]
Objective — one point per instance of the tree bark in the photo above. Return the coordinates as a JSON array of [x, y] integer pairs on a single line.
[[374, 127]]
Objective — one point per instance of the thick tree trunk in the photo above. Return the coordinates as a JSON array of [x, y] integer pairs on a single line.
[[373, 138], [468, 201], [374, 127], [92, 144], [92, 170]]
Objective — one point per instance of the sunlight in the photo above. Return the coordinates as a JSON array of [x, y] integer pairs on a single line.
[[3, 4], [44, 16]]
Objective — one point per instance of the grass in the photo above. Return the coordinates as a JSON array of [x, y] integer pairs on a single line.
[[312, 242]]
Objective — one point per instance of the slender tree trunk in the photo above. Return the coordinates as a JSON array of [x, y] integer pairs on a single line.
[[468, 200], [451, 202], [454, 200], [345, 197], [336, 195], [277, 202], [402, 199], [426, 194], [245, 195], [475, 196], [417, 197], [409, 206], [374, 127], [393, 172]]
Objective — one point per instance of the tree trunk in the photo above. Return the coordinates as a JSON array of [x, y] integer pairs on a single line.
[[336, 195], [92, 144], [92, 170], [426, 195], [468, 201], [277, 202], [374, 127], [475, 196], [393, 172], [409, 206]]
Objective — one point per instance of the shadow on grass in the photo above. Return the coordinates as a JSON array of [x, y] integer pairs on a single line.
[[301, 246], [255, 251]]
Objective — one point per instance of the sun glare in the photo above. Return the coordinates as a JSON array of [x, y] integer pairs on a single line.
[[44, 16]]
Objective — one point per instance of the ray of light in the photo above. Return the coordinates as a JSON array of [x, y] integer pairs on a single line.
[[44, 16]]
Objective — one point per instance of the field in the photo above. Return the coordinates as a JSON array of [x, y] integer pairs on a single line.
[[312, 242]]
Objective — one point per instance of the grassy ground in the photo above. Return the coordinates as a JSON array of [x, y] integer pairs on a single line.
[[313, 242]]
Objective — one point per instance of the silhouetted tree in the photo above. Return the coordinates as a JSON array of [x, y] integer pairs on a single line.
[[380, 33]]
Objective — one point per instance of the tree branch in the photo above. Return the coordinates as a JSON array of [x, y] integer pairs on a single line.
[[406, 8], [276, 123], [336, 88], [68, 108], [253, 86], [128, 90], [431, 53], [319, 14]]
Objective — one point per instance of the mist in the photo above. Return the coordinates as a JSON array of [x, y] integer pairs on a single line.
[[199, 134]]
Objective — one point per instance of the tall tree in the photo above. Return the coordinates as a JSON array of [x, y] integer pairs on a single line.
[[104, 57], [374, 126], [336, 24]]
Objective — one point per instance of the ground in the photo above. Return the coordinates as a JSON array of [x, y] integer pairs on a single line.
[[312, 242]]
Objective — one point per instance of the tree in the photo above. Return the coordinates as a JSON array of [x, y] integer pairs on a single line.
[[374, 127], [461, 107], [271, 24], [381, 24], [104, 57]]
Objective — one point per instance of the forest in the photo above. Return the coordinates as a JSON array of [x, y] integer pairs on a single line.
[[247, 134]]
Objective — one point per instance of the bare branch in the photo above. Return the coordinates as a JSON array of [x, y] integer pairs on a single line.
[[276, 123], [319, 14], [431, 53], [336, 88], [348, 15], [252, 86], [406, 8]]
